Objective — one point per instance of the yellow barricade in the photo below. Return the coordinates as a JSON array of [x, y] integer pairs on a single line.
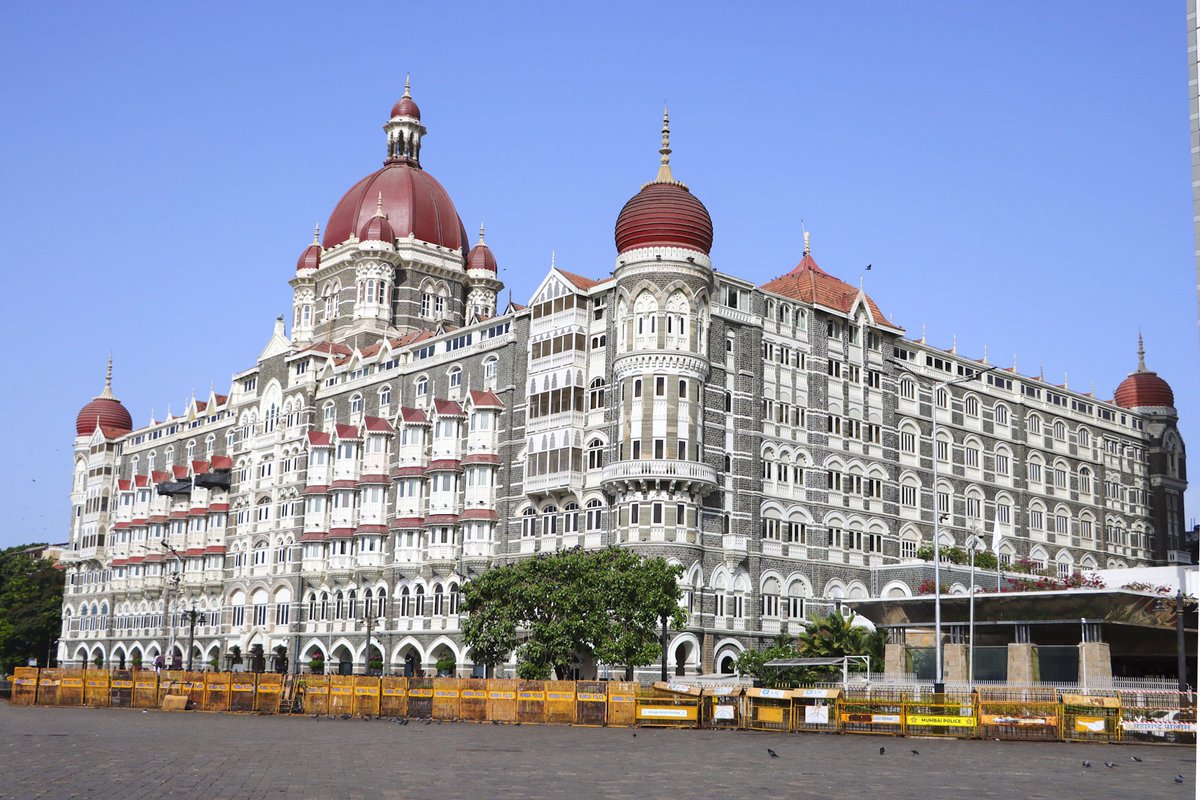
[[560, 702], [216, 691], [393, 696], [145, 689], [768, 709], [95, 688], [591, 703], [531, 701], [193, 686], [472, 699], [948, 714], [1021, 714], [420, 698], [366, 695], [815, 710], [316, 694], [120, 688], [872, 712], [170, 682], [445, 698], [1091, 717], [268, 688], [669, 705], [502, 700], [1157, 716], [622, 702], [70, 688], [722, 707], [241, 691], [48, 683], [341, 695], [25, 682]]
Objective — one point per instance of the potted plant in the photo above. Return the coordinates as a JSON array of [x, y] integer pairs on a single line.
[[234, 657], [316, 664], [98, 661], [445, 666], [136, 661], [375, 665]]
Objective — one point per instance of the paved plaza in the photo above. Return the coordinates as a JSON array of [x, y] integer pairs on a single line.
[[131, 755]]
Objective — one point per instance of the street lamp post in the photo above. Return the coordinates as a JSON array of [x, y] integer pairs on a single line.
[[191, 614], [173, 593], [367, 649], [971, 625], [1180, 642], [939, 683]]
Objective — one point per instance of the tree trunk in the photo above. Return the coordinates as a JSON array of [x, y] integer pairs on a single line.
[[628, 673]]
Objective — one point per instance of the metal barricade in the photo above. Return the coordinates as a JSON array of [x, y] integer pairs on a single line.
[[1020, 714], [316, 694], [366, 695], [49, 681], [502, 700], [95, 688], [216, 691], [669, 705], [268, 688], [170, 682], [341, 695], [879, 712], [622, 702], [193, 686], [531, 701], [241, 691], [815, 710], [420, 698], [560, 702], [393, 696], [145, 689], [1091, 717], [472, 699], [445, 698], [25, 684], [723, 707], [768, 709], [70, 688], [120, 688], [591, 703], [948, 714], [1157, 716]]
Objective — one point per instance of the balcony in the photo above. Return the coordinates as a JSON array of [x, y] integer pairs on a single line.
[[734, 542], [564, 479], [669, 473], [555, 421]]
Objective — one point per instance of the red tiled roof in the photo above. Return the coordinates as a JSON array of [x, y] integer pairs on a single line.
[[441, 519], [328, 347], [316, 489], [197, 512], [348, 431], [201, 405], [414, 416], [160, 476], [120, 526], [341, 533], [448, 408], [319, 439], [444, 464], [192, 552], [180, 472], [221, 398], [179, 515], [215, 549], [199, 467], [344, 484], [312, 536], [378, 425], [218, 507], [374, 478], [408, 472], [481, 458], [120, 562], [154, 558], [138, 521], [371, 529], [485, 399], [406, 522], [136, 559], [480, 513], [123, 485], [222, 462], [811, 284], [141, 481], [158, 518], [580, 282]]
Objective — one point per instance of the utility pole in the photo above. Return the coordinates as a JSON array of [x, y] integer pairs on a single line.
[[1180, 642], [192, 613], [664, 646]]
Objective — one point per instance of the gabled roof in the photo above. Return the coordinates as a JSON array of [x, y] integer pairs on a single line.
[[485, 399], [222, 462], [579, 281], [378, 425], [348, 431], [414, 416], [180, 472], [447, 408], [319, 439], [811, 284]]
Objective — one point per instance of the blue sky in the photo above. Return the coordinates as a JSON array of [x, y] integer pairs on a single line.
[[1018, 174]]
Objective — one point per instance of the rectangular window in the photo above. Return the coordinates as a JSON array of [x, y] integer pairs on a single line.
[[635, 514], [908, 496], [656, 514]]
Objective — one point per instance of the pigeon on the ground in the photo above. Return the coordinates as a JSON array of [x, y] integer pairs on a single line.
[[1135, 758], [1179, 778], [1087, 763], [881, 751], [635, 736], [772, 753], [1109, 764], [915, 753], [345, 716]]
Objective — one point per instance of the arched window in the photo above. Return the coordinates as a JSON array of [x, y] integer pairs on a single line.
[[594, 509], [385, 397], [437, 600], [455, 377], [550, 521], [356, 404], [421, 385], [419, 602], [339, 606], [405, 602], [1000, 414], [489, 368], [528, 522], [595, 454]]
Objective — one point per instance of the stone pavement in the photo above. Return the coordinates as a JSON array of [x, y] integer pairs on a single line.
[[129, 755]]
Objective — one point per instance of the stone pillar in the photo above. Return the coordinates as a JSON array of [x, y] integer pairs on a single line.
[[706, 654], [954, 663], [895, 661], [1022, 664], [1095, 664]]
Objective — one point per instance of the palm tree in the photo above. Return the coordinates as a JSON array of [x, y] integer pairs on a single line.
[[834, 636]]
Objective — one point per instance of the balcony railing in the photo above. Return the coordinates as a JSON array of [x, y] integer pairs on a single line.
[[690, 473]]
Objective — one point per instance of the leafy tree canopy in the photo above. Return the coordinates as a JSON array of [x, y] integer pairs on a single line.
[[830, 636], [31, 593], [554, 607]]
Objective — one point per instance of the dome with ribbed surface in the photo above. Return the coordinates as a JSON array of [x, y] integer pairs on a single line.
[[104, 410], [406, 106], [481, 256], [413, 202], [311, 257], [1143, 388]]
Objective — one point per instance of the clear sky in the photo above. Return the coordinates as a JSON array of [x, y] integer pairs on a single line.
[[1018, 173]]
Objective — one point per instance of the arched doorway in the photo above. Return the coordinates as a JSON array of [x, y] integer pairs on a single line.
[[682, 655], [344, 660], [727, 664]]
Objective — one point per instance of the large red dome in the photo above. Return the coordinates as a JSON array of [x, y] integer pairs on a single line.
[[413, 201], [107, 411], [1144, 390], [664, 215]]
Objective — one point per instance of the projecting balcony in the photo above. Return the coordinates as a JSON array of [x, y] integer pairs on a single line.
[[643, 473]]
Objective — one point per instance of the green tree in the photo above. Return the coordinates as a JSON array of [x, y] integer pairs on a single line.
[[31, 593], [640, 593], [830, 636]]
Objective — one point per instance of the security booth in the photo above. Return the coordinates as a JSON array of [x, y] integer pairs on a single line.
[[815, 710], [670, 705], [723, 706]]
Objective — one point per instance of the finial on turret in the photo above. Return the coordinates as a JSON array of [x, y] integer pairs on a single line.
[[922, 333], [1141, 353], [317, 233], [379, 206], [407, 85], [1066, 381], [807, 243], [481, 233], [106, 392], [664, 170], [954, 344], [985, 354], [551, 259]]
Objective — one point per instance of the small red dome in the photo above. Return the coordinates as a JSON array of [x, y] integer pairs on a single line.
[[664, 215], [377, 229], [310, 258], [413, 202], [1144, 390], [406, 107], [481, 256], [107, 411]]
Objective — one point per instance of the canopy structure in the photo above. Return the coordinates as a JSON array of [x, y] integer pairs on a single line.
[[838, 661]]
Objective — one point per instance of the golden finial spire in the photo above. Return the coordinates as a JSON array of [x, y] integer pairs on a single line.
[[1141, 353], [106, 392], [664, 170], [317, 233], [407, 85], [481, 233]]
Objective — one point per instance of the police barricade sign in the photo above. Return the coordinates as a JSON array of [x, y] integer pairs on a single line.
[[169, 682], [70, 688], [193, 686], [120, 689], [393, 696], [420, 698], [622, 702], [872, 712], [268, 688], [947, 714], [591, 703], [25, 683], [445, 698], [1091, 717], [96, 688], [472, 699], [531, 701], [1020, 714], [723, 706], [366, 695], [316, 694], [670, 704], [216, 691], [341, 694], [560, 702], [48, 684], [1157, 716], [815, 709], [145, 689], [768, 709], [241, 691], [502, 700]]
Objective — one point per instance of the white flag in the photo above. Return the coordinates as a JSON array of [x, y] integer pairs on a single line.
[[996, 537]]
